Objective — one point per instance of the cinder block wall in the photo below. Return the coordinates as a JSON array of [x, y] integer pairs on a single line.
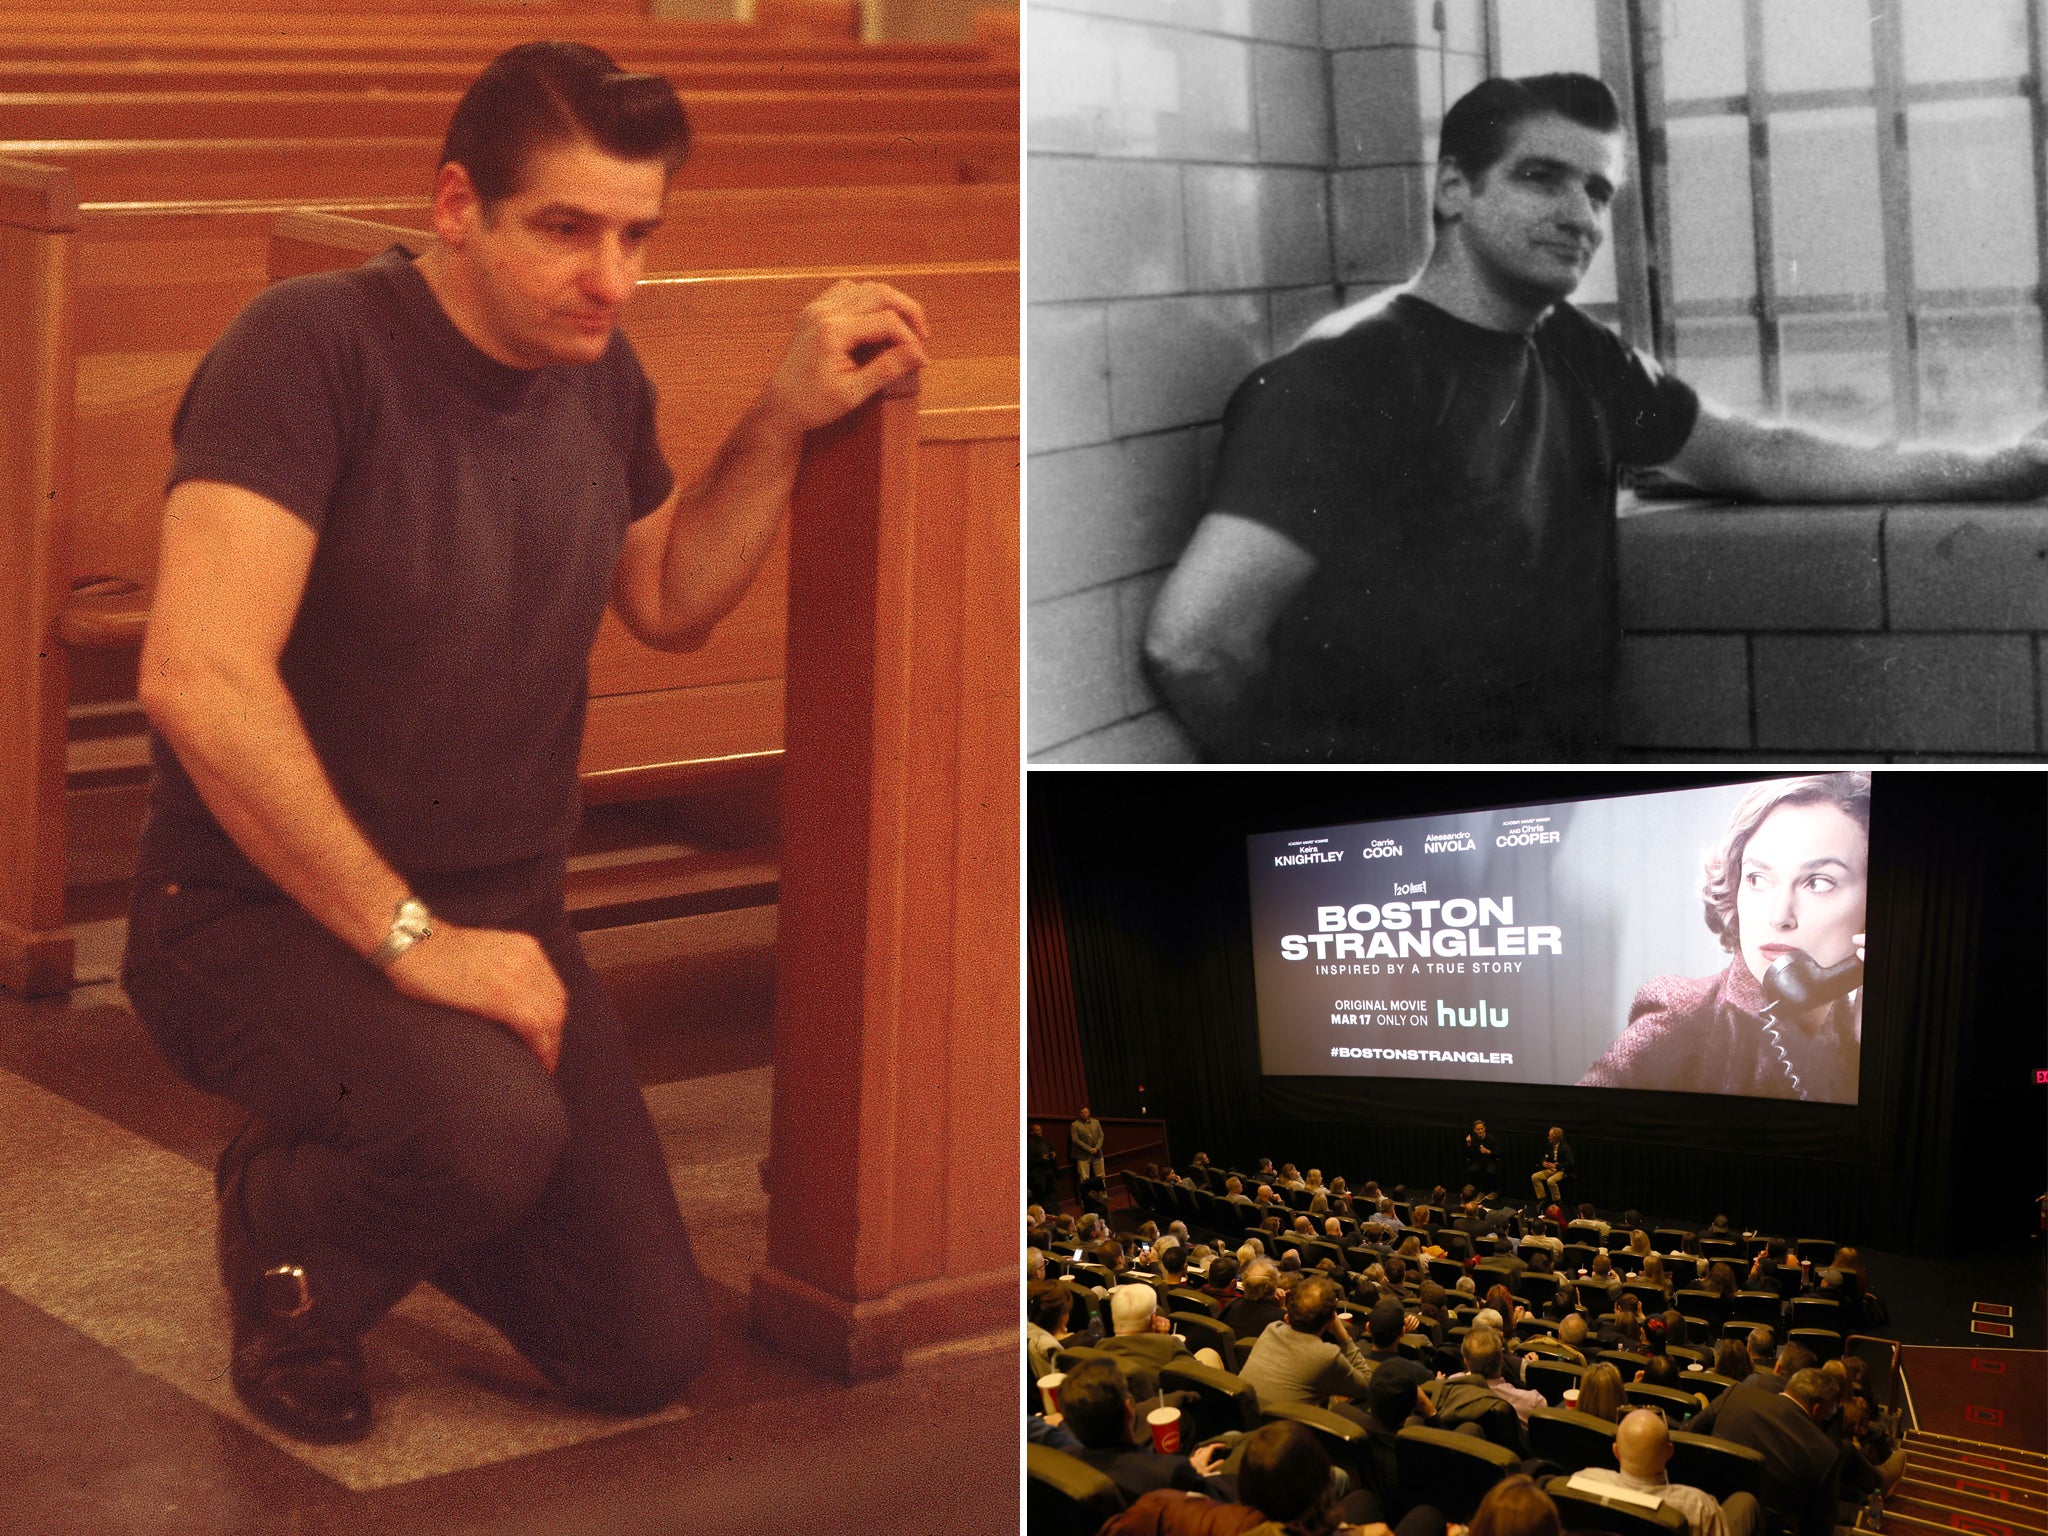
[[1207, 179], [1888, 634]]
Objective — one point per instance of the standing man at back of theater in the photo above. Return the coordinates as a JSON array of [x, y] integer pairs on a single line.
[[1409, 553], [401, 500]]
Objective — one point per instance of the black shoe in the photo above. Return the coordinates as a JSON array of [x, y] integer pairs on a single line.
[[292, 1371]]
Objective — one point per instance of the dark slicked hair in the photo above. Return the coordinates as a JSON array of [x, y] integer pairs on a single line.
[[553, 94], [1848, 793], [1482, 123]]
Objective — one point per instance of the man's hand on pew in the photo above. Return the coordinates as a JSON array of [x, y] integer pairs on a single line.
[[682, 568], [502, 976], [855, 339]]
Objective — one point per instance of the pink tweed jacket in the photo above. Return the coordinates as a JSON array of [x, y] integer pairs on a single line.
[[1706, 1034]]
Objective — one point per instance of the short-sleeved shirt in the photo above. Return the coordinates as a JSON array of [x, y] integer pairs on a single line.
[[1456, 487], [470, 516]]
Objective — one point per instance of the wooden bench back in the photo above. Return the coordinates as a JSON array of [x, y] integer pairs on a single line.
[[378, 166], [353, 111], [405, 72], [37, 216], [139, 344]]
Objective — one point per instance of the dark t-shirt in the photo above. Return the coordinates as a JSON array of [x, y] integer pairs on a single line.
[[1456, 486], [469, 516]]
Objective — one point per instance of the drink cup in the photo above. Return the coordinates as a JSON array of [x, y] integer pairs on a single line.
[[1165, 1426], [1571, 1397], [1049, 1388]]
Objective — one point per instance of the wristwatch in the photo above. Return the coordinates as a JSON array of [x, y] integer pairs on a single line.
[[411, 923]]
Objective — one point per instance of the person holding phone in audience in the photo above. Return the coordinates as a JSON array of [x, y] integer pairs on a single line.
[[1785, 892], [403, 497]]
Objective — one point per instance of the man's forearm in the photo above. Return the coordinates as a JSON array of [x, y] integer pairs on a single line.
[[1788, 463], [725, 524], [245, 747]]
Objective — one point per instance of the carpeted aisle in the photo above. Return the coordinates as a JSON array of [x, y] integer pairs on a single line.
[[1999, 1396]]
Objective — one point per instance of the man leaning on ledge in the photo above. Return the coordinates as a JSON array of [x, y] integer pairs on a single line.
[[1409, 553]]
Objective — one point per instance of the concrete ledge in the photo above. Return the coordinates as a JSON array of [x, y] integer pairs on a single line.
[[1684, 691], [1967, 567], [1896, 693], [1151, 738], [1749, 568]]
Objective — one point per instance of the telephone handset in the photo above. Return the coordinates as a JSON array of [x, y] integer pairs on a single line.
[[1799, 981]]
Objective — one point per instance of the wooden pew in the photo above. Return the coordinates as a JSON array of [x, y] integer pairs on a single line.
[[358, 111], [639, 745], [210, 257], [37, 216], [376, 166], [407, 73]]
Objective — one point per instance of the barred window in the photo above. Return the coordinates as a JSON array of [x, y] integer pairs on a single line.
[[1840, 207]]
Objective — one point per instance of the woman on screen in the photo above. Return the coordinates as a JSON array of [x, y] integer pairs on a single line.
[[1785, 893]]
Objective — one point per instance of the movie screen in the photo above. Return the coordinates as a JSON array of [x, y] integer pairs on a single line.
[[1701, 941]]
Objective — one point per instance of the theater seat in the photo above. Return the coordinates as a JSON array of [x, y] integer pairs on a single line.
[[1721, 1467], [1072, 1355], [1450, 1470], [1186, 1299], [1572, 1439], [1626, 1361], [1753, 1307], [1816, 1251], [1702, 1304], [1710, 1382], [1205, 1332], [1824, 1342], [1678, 1406], [1343, 1438], [1586, 1511], [1817, 1312], [1553, 1378], [1066, 1496], [1223, 1402]]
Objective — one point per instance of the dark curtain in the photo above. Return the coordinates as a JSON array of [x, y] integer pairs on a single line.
[[1151, 896]]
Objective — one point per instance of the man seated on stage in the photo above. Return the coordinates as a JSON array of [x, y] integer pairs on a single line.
[[1310, 1356], [1642, 1444], [1548, 1180]]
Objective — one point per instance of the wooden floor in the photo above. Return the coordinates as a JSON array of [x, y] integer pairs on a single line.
[[114, 1410]]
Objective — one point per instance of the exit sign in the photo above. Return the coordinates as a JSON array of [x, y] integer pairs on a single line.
[[2041, 1076]]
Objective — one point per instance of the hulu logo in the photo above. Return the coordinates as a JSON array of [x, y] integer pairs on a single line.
[[1481, 1017]]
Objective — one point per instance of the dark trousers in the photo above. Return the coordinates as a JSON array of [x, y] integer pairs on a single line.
[[398, 1141]]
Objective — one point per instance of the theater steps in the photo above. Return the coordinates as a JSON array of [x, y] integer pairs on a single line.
[[1952, 1484]]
